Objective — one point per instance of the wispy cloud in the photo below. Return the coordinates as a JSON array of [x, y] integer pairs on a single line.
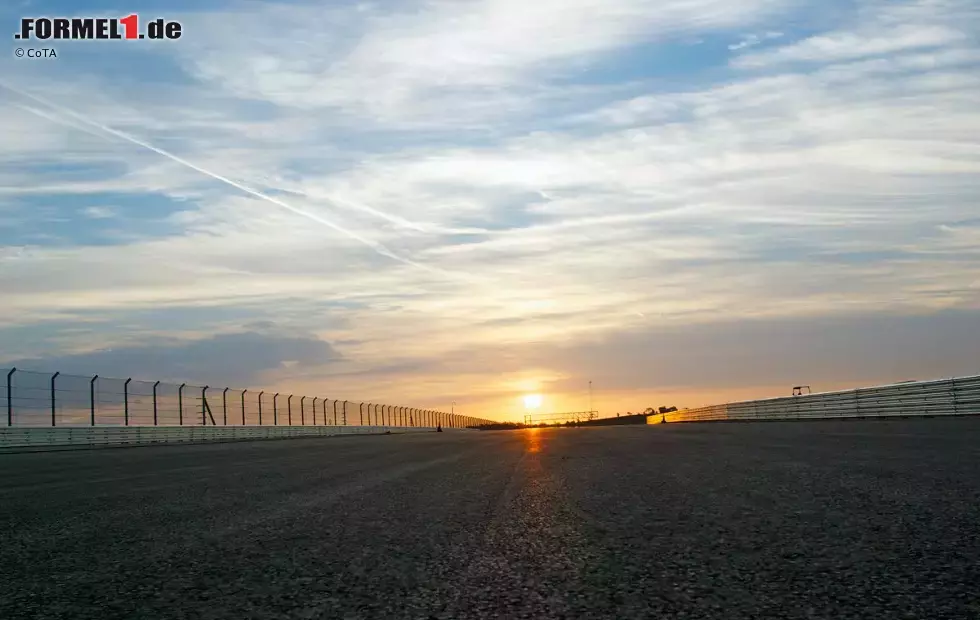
[[755, 39]]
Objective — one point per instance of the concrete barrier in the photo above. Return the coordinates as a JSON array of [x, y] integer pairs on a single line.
[[946, 397], [13, 438]]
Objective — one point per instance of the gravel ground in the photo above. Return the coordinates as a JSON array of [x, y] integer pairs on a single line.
[[860, 519]]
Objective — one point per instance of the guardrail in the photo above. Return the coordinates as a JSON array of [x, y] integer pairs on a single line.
[[40, 399], [20, 438], [944, 397]]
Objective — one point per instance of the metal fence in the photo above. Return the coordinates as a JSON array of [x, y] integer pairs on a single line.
[[38, 399], [945, 397]]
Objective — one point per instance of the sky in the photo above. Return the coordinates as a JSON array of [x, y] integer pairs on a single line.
[[685, 202]]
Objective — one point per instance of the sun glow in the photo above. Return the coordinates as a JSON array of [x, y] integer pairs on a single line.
[[532, 401]]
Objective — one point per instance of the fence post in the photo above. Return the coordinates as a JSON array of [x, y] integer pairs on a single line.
[[10, 399], [302, 413], [345, 413], [289, 409], [335, 412], [260, 407], [314, 410], [275, 410], [126, 401], [245, 391], [180, 404], [155, 402], [204, 406], [360, 408], [54, 410], [91, 397], [224, 407]]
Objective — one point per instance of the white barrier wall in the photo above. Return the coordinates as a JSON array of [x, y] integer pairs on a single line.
[[15, 438], [946, 397]]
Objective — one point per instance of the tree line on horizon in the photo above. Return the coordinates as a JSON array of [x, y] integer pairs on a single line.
[[519, 425]]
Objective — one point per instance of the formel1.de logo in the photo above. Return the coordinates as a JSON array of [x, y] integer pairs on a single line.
[[97, 28]]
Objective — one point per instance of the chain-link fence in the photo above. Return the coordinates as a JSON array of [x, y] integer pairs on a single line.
[[39, 399]]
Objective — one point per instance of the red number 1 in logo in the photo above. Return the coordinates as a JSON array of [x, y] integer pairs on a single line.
[[131, 22]]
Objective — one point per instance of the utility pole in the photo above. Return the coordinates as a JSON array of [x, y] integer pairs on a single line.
[[590, 400]]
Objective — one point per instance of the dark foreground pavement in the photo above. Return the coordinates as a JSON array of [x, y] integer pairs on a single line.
[[777, 520]]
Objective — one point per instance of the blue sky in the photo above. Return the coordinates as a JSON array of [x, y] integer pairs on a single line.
[[431, 201]]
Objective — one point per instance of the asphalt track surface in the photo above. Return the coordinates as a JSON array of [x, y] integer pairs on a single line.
[[874, 519]]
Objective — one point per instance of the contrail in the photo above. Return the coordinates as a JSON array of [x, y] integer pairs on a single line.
[[394, 219], [351, 204], [374, 245]]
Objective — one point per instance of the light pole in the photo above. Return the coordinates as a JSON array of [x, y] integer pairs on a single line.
[[590, 400]]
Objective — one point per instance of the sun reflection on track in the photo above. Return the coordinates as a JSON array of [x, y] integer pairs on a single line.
[[532, 438]]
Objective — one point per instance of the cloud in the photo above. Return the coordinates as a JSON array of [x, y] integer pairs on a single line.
[[754, 39], [223, 359], [882, 28], [848, 45], [401, 64], [98, 213]]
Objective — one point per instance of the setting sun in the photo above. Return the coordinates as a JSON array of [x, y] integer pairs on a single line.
[[532, 401]]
